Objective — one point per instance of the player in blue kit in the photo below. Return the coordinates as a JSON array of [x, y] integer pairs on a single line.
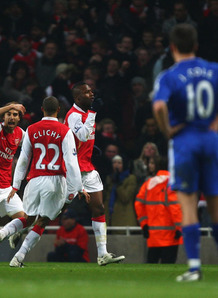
[[185, 104]]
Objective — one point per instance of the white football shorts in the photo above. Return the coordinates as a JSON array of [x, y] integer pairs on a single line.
[[45, 196], [92, 181], [14, 206]]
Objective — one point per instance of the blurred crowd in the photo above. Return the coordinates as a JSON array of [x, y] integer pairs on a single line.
[[118, 47]]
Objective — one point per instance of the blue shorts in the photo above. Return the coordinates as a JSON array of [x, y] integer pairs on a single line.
[[193, 162]]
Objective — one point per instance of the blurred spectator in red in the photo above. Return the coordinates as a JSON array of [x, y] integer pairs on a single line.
[[25, 54], [38, 36], [106, 133], [71, 244]]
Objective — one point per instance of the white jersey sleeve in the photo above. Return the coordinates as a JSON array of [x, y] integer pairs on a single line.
[[73, 175], [23, 134], [80, 129], [23, 162]]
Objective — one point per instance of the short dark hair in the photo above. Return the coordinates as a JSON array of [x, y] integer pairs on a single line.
[[50, 105], [77, 88], [184, 37]]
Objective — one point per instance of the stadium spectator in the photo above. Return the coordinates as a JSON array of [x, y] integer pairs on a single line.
[[25, 54], [8, 48], [46, 65], [136, 108], [106, 134], [81, 120], [71, 243], [144, 65], [119, 195], [46, 191], [61, 87], [16, 18], [38, 36], [180, 15], [192, 130], [159, 215], [16, 82], [140, 165], [103, 163], [111, 87], [151, 133]]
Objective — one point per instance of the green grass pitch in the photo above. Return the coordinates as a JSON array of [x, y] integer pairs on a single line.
[[116, 280]]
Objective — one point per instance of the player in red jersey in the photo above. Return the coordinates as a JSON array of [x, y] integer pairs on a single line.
[[54, 174], [81, 120], [10, 138]]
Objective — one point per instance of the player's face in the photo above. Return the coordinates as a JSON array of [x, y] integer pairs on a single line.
[[11, 119], [86, 97]]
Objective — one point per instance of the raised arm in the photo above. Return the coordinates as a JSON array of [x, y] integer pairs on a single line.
[[16, 106], [80, 129]]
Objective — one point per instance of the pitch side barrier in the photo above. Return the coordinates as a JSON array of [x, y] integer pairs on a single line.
[[206, 231]]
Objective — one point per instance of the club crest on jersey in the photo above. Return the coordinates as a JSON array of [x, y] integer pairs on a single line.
[[17, 141]]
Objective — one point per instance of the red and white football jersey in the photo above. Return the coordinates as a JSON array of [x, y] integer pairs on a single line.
[[52, 148], [82, 125], [9, 143], [29, 59]]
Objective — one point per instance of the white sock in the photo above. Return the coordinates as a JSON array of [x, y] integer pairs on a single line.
[[12, 227], [100, 232], [29, 242]]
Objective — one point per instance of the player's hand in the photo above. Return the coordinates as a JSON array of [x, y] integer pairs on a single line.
[[173, 130], [84, 195], [178, 234], [11, 194], [97, 104], [145, 230], [20, 108]]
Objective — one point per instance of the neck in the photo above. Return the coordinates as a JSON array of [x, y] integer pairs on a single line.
[[180, 57], [52, 115], [8, 130]]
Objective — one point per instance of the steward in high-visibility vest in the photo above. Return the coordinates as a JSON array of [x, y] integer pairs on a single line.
[[159, 215]]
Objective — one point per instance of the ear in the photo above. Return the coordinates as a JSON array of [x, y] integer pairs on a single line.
[[42, 109], [58, 110]]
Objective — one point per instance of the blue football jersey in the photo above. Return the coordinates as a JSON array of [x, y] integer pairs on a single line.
[[190, 89]]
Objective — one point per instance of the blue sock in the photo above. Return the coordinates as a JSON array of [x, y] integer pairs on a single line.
[[191, 237], [215, 232]]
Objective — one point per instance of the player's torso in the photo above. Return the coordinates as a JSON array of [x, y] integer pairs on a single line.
[[84, 149], [46, 139], [9, 143], [194, 96]]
